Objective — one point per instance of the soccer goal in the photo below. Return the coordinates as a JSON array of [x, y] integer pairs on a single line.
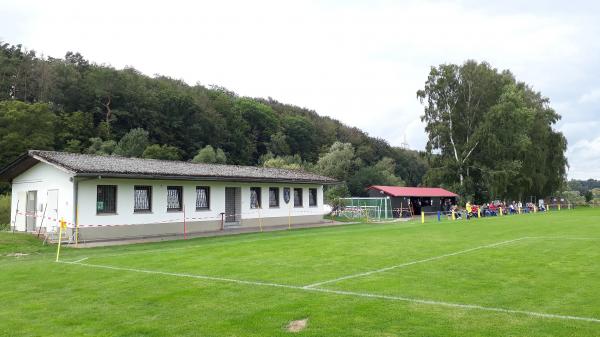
[[370, 208]]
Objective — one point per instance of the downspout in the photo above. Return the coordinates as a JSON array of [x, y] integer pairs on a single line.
[[75, 202]]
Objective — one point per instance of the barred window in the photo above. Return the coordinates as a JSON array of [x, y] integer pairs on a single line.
[[142, 198], [174, 198], [202, 197], [254, 197], [273, 196], [297, 197], [106, 199], [312, 197]]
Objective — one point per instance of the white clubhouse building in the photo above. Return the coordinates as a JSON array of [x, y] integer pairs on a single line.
[[111, 197]]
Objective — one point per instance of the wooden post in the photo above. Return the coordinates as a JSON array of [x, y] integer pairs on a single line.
[[76, 226], [289, 216], [42, 222], [15, 218], [184, 223], [260, 219]]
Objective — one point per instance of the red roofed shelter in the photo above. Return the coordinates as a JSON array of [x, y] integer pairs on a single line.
[[427, 199]]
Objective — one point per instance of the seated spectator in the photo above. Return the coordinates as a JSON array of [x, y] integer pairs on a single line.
[[512, 209], [492, 210], [474, 211], [457, 212]]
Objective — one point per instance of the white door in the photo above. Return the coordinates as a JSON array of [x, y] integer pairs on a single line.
[[19, 218], [51, 209], [31, 211]]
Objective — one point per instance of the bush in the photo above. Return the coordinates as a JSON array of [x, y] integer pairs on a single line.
[[4, 211]]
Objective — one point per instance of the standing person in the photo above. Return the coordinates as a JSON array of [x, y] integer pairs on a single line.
[[469, 208]]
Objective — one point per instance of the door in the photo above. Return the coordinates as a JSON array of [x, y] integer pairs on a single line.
[[51, 208], [30, 210], [233, 198]]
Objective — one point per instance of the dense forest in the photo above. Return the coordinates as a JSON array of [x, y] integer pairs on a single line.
[[489, 135], [72, 104]]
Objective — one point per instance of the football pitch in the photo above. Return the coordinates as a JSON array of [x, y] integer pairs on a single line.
[[522, 275]]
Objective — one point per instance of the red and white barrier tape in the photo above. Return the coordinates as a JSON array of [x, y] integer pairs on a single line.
[[215, 217]]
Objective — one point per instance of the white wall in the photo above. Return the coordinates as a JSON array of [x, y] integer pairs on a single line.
[[125, 200], [41, 178]]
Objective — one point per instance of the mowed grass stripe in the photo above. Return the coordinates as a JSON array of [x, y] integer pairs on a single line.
[[552, 277], [346, 293], [406, 264]]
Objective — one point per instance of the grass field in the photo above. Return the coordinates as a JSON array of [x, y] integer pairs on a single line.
[[527, 275]]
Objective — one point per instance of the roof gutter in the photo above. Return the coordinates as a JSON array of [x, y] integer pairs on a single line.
[[203, 178]]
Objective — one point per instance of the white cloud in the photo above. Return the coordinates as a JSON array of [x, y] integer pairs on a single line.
[[584, 157], [360, 62], [592, 96]]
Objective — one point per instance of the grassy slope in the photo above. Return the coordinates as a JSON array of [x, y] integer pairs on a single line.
[[553, 276]]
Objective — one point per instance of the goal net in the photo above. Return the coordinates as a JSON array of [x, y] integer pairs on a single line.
[[371, 208]]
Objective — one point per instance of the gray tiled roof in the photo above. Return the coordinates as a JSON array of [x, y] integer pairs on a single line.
[[115, 166]]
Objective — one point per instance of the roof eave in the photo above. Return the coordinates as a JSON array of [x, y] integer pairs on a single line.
[[202, 178], [19, 165]]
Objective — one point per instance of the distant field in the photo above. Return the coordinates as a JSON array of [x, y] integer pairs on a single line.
[[522, 275]]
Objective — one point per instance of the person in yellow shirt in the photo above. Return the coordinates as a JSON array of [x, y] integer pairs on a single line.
[[469, 209]]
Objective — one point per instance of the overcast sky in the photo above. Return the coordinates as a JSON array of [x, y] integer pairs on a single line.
[[358, 61]]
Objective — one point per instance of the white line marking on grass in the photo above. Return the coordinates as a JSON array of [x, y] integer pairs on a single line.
[[345, 293], [457, 305], [367, 273], [80, 260], [202, 277], [563, 238]]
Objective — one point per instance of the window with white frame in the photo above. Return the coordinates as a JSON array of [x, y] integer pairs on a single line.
[[273, 196], [202, 197], [142, 199], [312, 197], [254, 197], [297, 197], [174, 198]]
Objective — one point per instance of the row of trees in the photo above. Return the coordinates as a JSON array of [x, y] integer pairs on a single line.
[[71, 104], [490, 136], [586, 190]]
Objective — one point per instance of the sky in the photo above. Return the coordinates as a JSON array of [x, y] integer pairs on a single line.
[[360, 62]]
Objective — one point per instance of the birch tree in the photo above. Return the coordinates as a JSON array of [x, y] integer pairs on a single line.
[[490, 135]]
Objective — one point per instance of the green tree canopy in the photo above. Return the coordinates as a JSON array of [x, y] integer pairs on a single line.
[[284, 162], [339, 162], [24, 127], [489, 135], [101, 147], [164, 152], [133, 143], [208, 155]]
